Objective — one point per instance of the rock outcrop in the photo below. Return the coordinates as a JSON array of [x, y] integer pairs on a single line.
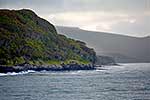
[[26, 67]]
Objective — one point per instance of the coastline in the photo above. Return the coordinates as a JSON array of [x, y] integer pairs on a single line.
[[62, 67]]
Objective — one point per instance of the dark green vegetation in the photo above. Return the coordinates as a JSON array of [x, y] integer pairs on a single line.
[[27, 38]]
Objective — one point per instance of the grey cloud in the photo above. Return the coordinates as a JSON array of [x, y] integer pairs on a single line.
[[41, 6], [128, 7], [138, 28], [78, 5]]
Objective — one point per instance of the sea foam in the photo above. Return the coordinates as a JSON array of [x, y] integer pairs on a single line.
[[19, 73]]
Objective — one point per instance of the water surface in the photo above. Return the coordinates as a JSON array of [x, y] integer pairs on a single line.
[[126, 82]]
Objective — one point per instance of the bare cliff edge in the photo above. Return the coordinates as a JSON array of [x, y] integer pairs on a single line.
[[30, 42]]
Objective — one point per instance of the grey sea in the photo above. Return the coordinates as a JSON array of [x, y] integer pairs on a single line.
[[125, 82]]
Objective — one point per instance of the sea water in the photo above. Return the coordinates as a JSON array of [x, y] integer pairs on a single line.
[[125, 82]]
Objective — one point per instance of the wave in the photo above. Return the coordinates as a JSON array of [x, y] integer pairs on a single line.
[[19, 73]]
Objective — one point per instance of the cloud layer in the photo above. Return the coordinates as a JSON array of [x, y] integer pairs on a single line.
[[128, 17]]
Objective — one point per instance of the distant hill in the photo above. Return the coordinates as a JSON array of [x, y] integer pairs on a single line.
[[105, 60], [27, 38], [122, 48]]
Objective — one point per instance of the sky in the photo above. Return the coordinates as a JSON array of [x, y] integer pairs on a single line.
[[126, 17]]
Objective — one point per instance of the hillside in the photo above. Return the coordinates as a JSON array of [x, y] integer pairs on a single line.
[[105, 60], [27, 38], [122, 48]]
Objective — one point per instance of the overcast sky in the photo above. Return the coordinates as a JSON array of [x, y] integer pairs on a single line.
[[127, 17]]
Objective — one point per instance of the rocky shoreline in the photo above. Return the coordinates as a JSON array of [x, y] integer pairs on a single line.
[[62, 67]]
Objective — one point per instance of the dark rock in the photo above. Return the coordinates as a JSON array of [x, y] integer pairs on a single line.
[[25, 67]]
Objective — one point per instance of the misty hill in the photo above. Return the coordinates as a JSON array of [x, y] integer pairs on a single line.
[[27, 38], [105, 60], [122, 48]]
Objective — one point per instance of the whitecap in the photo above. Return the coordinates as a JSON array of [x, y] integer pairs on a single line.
[[19, 73]]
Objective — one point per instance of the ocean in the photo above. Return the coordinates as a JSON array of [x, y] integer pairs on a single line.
[[124, 82]]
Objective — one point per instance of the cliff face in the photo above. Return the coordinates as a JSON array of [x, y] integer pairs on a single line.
[[27, 38]]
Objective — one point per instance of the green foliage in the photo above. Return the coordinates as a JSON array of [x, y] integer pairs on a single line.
[[4, 19], [26, 38]]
